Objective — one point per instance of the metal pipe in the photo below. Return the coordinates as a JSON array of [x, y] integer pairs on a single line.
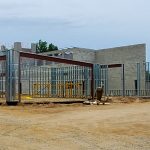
[[123, 80], [92, 82]]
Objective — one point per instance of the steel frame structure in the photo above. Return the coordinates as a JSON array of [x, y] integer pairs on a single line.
[[13, 73], [11, 77], [65, 61], [71, 62]]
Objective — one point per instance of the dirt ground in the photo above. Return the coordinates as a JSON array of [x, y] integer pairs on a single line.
[[118, 126]]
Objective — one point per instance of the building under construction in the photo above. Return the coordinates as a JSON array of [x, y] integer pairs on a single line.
[[73, 72]]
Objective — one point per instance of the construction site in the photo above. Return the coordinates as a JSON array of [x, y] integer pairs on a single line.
[[51, 100]]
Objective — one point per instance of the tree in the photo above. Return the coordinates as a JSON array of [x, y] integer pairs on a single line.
[[52, 47], [42, 46]]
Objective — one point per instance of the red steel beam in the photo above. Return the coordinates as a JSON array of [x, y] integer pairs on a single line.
[[114, 65], [55, 59], [3, 57]]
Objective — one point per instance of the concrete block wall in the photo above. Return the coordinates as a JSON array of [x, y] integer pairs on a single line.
[[86, 55], [127, 55], [79, 54]]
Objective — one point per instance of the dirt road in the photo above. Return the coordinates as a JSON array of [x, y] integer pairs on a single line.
[[115, 127]]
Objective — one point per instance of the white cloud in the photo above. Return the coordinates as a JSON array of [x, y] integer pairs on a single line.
[[76, 21], [97, 10]]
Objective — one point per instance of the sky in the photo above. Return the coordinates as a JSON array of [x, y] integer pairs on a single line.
[[94, 24]]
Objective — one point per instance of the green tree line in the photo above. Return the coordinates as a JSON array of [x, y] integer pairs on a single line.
[[43, 46]]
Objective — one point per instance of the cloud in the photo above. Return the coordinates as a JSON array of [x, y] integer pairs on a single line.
[[42, 23], [76, 10], [104, 22]]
